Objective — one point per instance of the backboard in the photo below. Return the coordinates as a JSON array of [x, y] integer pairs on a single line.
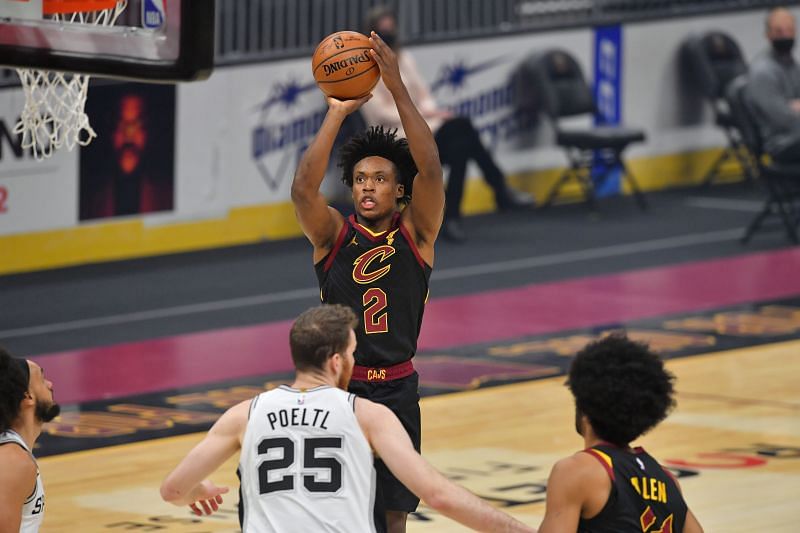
[[151, 40]]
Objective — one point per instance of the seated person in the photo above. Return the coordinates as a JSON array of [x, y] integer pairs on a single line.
[[456, 137], [774, 90]]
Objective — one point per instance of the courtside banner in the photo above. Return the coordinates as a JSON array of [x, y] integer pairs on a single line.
[[608, 98]]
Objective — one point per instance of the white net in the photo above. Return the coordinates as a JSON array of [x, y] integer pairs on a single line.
[[53, 114]]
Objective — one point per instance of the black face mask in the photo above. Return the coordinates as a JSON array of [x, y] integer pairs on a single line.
[[389, 38], [783, 46]]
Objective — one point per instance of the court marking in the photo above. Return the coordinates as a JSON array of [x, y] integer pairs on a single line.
[[120, 418], [764, 425], [164, 312], [727, 204], [450, 322], [740, 400], [617, 250], [490, 268]]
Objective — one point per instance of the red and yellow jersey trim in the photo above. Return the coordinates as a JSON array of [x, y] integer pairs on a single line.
[[604, 459]]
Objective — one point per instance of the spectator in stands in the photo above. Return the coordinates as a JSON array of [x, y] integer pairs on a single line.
[[774, 89], [456, 137]]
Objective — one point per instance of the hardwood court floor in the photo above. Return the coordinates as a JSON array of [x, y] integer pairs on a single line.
[[734, 440]]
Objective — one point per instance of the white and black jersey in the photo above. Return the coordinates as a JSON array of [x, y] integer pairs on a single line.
[[33, 508], [305, 464]]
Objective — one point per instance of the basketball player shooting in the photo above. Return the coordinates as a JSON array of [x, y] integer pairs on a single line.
[[324, 480], [379, 260]]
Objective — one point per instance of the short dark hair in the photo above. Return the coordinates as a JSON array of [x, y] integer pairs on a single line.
[[622, 387], [13, 386], [377, 141], [320, 332]]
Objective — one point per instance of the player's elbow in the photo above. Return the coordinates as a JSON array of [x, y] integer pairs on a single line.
[[302, 192], [169, 492], [437, 497], [298, 193]]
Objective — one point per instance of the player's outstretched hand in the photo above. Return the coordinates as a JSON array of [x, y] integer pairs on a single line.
[[386, 59], [346, 106], [207, 498]]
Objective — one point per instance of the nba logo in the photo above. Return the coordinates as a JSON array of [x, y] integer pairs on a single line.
[[153, 14]]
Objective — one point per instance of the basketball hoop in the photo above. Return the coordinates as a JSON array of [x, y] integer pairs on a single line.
[[54, 101]]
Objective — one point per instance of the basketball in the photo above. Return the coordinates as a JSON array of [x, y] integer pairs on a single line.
[[343, 67]]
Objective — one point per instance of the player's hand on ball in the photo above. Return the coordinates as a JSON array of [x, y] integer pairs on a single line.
[[387, 61], [347, 106]]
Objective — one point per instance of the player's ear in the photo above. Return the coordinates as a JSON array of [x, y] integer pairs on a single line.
[[335, 364], [401, 190]]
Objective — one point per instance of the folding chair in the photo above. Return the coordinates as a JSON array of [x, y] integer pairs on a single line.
[[563, 92], [714, 59], [782, 181]]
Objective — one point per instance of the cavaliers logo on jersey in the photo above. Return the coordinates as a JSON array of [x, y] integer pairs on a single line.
[[367, 267]]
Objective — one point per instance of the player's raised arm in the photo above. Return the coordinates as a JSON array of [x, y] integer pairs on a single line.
[[320, 223], [427, 206]]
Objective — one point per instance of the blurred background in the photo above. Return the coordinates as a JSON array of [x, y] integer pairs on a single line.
[[213, 161]]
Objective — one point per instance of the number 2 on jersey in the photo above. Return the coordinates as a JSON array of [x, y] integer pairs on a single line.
[[310, 461], [376, 318]]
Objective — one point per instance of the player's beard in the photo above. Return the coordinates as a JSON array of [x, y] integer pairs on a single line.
[[46, 411], [344, 377]]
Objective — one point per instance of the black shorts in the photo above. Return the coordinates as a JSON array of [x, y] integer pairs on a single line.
[[402, 397]]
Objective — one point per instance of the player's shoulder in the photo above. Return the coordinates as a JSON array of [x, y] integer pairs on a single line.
[[370, 414], [365, 406], [12, 449], [235, 417], [580, 468], [377, 422], [577, 461], [16, 460]]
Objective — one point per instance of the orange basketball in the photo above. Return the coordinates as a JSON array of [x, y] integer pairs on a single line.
[[343, 67]]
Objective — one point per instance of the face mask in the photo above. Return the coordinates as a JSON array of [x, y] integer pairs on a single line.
[[783, 46], [389, 38]]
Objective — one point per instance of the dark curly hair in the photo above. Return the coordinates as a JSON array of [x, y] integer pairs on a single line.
[[384, 143], [622, 387], [13, 386]]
